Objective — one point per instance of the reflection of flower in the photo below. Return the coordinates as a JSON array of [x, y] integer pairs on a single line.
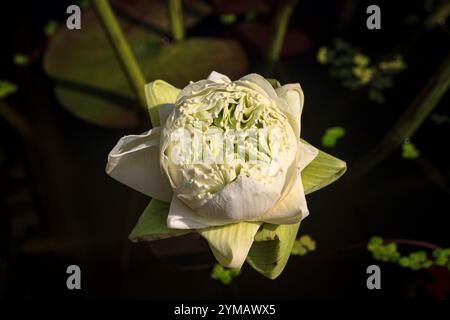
[[225, 196]]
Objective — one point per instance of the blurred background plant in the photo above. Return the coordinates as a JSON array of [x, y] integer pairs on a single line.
[[356, 70]]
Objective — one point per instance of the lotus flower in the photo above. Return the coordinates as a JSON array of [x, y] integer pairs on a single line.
[[225, 159]]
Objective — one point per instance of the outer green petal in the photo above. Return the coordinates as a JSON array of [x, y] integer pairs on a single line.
[[272, 248], [159, 93], [152, 224], [230, 244], [322, 171]]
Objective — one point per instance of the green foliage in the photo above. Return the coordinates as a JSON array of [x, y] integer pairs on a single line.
[[409, 150], [7, 88], [331, 136], [356, 70], [385, 253], [50, 27], [388, 252], [95, 89], [323, 55], [224, 275], [21, 59], [228, 18], [303, 245], [441, 256]]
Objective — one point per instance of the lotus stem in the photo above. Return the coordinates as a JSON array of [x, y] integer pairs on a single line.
[[176, 19], [438, 16], [122, 49], [279, 26], [410, 121]]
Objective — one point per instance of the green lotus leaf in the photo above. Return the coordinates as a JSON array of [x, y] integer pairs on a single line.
[[90, 83]]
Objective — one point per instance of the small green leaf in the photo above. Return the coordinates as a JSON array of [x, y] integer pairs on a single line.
[[228, 18], [298, 249], [50, 27], [303, 245], [152, 224], [409, 150], [332, 135], [7, 88], [391, 247], [322, 171], [404, 262], [21, 59], [224, 275], [418, 256], [375, 241]]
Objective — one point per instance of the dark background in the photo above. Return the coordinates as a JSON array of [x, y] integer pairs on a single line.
[[58, 207]]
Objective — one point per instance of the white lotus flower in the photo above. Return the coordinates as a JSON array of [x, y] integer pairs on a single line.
[[228, 157]]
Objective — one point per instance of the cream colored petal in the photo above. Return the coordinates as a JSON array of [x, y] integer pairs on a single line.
[[230, 244], [197, 88], [292, 209], [292, 206], [308, 154], [258, 83], [292, 95], [134, 161], [182, 217], [243, 199], [164, 112], [218, 77]]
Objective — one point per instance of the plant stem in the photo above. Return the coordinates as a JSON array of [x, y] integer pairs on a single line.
[[122, 49], [438, 16], [279, 27], [176, 19], [410, 121]]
